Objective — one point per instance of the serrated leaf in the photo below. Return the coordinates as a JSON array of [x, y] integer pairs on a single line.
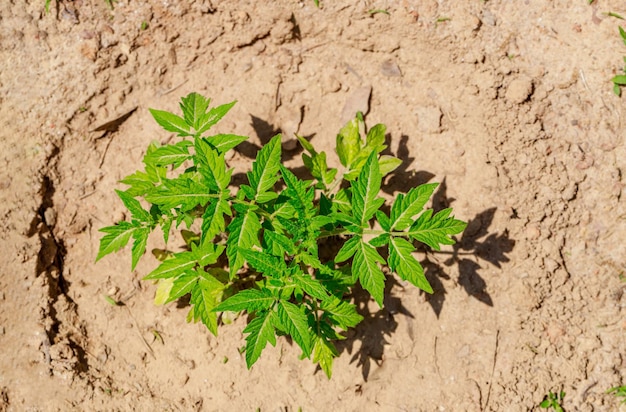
[[139, 183], [173, 154], [204, 297], [341, 313], [265, 168], [261, 331], [194, 107], [183, 192], [348, 249], [213, 222], [365, 191], [365, 268], [380, 241], [264, 263], [116, 238], [348, 143], [171, 122], [383, 220], [206, 253], [212, 166], [180, 263], [310, 285], [404, 208], [436, 230], [294, 321], [279, 244], [402, 262], [342, 201], [224, 142], [140, 237], [250, 300], [181, 285], [243, 234], [324, 353], [212, 117], [134, 207]]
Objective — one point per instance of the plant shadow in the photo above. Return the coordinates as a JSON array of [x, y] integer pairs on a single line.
[[376, 327], [478, 246]]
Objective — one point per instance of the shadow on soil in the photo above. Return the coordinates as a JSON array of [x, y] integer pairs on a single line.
[[477, 246]]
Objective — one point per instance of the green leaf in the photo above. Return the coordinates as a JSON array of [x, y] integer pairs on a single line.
[[375, 139], [402, 262], [342, 201], [324, 353], [365, 191], [349, 143], [182, 285], [264, 263], [310, 285], [404, 208], [179, 264], [224, 142], [182, 192], [341, 313], [622, 34], [436, 230], [140, 237], [204, 298], [212, 166], [243, 234], [265, 168], [261, 331], [212, 117], [164, 286], [294, 321], [171, 122], [388, 164], [382, 218], [279, 244], [250, 300], [116, 238], [206, 253], [348, 249], [365, 267], [134, 207], [139, 183], [194, 107], [173, 154], [621, 80], [213, 222]]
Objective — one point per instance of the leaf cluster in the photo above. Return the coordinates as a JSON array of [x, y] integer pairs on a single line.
[[553, 400], [256, 249]]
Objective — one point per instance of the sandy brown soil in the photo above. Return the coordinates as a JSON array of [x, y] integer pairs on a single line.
[[507, 102]]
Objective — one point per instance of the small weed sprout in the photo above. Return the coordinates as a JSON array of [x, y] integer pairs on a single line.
[[553, 400], [620, 79]]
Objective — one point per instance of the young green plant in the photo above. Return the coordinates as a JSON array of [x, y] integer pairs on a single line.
[[619, 392], [620, 79], [256, 248], [553, 400]]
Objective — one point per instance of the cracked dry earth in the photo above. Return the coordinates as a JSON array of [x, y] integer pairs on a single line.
[[509, 104]]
